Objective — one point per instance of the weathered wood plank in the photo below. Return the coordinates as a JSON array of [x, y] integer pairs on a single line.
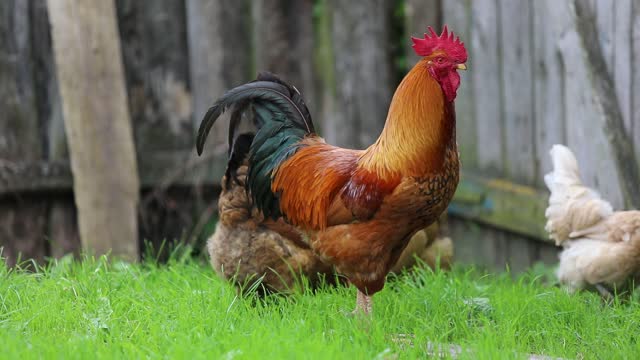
[[584, 122], [548, 254], [362, 71], [487, 88], [457, 15], [606, 110], [478, 244], [62, 226], [22, 227], [47, 92], [520, 253], [22, 222], [219, 55], [324, 69], [548, 79], [285, 44], [465, 235], [501, 203], [517, 101], [63, 233], [88, 61], [16, 177], [495, 249], [605, 20], [19, 134], [177, 216], [183, 168], [156, 62], [622, 60], [418, 15], [155, 57], [635, 77]]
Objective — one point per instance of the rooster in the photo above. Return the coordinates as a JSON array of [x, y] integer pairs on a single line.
[[601, 248], [356, 209]]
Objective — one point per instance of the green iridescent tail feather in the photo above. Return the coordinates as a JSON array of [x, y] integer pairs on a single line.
[[281, 120]]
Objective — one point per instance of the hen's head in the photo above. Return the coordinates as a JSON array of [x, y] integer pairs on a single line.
[[443, 55]]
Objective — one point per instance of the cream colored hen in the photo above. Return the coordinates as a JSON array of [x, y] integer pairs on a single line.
[[601, 248]]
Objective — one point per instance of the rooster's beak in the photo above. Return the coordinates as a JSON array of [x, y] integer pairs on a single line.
[[461, 67]]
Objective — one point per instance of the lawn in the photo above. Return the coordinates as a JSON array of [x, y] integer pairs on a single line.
[[98, 309]]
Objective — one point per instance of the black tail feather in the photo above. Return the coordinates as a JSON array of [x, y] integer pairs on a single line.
[[266, 89], [280, 118], [237, 154]]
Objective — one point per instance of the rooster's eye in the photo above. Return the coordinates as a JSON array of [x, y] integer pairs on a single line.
[[439, 60]]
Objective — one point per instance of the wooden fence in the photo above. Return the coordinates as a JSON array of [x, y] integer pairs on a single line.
[[527, 88]]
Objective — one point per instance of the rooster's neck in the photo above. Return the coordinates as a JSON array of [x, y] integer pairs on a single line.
[[420, 126]]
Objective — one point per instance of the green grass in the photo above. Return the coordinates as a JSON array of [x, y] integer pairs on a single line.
[[181, 310]]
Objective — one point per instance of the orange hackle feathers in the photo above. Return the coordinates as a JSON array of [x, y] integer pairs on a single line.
[[418, 127]]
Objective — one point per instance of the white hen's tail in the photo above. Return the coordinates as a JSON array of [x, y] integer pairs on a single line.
[[572, 206]]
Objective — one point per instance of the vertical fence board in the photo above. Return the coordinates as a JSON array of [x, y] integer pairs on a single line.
[[585, 134], [20, 136], [418, 15], [154, 49], [219, 55], [156, 62], [549, 93], [548, 254], [548, 84], [515, 20], [48, 102], [285, 44], [635, 78], [22, 228], [62, 229], [325, 70], [363, 71], [605, 18], [479, 245], [622, 59], [485, 74], [22, 218], [457, 14], [521, 253]]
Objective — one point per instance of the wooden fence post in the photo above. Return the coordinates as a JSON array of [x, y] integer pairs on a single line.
[[94, 102]]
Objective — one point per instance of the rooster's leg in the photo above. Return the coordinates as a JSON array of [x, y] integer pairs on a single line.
[[363, 303]]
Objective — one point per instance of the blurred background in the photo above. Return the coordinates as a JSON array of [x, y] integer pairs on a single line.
[[164, 62]]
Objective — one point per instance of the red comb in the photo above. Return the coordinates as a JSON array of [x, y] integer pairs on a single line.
[[447, 41]]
